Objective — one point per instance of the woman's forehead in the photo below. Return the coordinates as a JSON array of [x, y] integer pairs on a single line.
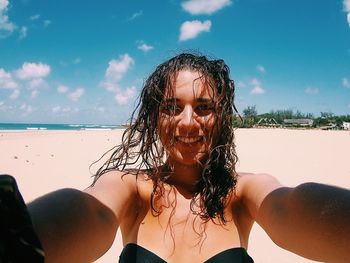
[[189, 81]]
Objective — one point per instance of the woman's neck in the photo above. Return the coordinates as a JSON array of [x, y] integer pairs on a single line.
[[183, 177]]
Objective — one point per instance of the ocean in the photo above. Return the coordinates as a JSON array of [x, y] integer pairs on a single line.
[[43, 126]]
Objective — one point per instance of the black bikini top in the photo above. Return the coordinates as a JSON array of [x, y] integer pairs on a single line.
[[133, 253]]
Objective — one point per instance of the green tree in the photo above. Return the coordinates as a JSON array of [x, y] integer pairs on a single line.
[[326, 115], [250, 111], [249, 116], [237, 121]]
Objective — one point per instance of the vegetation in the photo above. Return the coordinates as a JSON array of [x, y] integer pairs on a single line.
[[251, 118]]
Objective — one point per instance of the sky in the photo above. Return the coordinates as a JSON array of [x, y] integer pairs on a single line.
[[86, 61]]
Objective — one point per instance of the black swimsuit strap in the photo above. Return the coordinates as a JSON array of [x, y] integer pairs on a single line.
[[236, 255], [133, 253]]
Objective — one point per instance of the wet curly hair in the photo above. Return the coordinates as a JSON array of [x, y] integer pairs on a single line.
[[142, 151]]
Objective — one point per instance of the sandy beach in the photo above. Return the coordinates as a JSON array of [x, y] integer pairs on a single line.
[[43, 161]]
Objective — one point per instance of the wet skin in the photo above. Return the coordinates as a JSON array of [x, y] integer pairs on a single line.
[[187, 119]]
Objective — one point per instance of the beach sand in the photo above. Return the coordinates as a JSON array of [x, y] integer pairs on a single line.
[[43, 161]]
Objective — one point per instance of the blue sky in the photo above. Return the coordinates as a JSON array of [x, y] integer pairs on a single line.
[[85, 61]]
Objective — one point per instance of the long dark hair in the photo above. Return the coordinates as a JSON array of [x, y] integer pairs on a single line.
[[142, 150]]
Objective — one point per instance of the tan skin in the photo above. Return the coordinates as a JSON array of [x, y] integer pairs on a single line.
[[193, 121], [116, 201]]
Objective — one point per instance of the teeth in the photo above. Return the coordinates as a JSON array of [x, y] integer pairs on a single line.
[[189, 139]]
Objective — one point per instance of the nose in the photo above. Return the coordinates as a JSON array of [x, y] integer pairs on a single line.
[[187, 122]]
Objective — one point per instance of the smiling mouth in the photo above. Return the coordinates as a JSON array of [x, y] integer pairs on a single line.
[[189, 139]]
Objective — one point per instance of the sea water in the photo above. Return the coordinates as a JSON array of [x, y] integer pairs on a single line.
[[44, 126]]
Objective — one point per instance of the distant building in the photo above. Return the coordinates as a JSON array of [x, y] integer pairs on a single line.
[[330, 126], [267, 122], [346, 125], [298, 122]]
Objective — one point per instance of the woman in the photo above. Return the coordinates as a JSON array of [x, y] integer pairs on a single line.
[[172, 188]]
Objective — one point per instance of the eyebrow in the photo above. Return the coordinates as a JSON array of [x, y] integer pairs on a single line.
[[205, 100], [198, 100]]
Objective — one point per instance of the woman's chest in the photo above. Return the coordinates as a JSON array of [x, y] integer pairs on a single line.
[[187, 230], [172, 230]]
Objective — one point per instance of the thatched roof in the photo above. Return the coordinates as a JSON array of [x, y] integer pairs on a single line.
[[301, 122]]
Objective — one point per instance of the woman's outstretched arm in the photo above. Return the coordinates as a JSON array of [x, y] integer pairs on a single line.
[[80, 226], [72, 226], [312, 220]]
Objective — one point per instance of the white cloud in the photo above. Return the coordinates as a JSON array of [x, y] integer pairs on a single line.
[[257, 90], [260, 68], [23, 32], [204, 7], [62, 89], [34, 85], [3, 4], [37, 83], [26, 108], [34, 17], [6, 26], [255, 82], [34, 93], [15, 94], [56, 109], [346, 83], [75, 95], [122, 97], [70, 110], [33, 70], [29, 109], [111, 86], [191, 29], [4, 107], [257, 87], [59, 109], [346, 4], [310, 90], [99, 109], [144, 47], [240, 84], [114, 74], [47, 23], [76, 61], [135, 15], [6, 80], [117, 68]]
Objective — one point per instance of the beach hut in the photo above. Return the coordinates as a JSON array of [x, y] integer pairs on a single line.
[[298, 122], [346, 125], [267, 122]]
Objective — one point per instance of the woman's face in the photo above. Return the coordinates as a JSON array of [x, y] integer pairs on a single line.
[[187, 119]]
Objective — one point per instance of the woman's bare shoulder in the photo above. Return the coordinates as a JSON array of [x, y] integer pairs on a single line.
[[115, 189], [252, 188], [258, 181], [113, 179]]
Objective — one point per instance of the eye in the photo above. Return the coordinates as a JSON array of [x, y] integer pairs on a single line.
[[204, 109], [171, 109]]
